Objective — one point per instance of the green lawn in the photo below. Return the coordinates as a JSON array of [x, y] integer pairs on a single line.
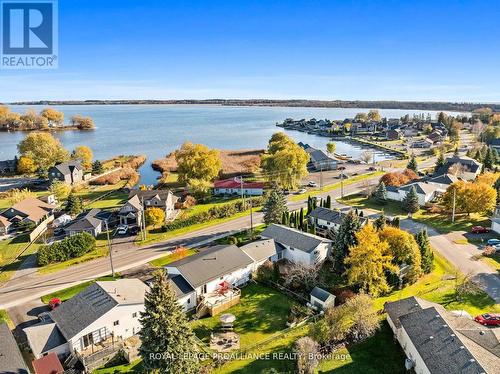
[[107, 196], [4, 317], [204, 207], [335, 186], [10, 250], [162, 261], [113, 200], [243, 237], [362, 202], [133, 367], [69, 292], [377, 355], [261, 313]]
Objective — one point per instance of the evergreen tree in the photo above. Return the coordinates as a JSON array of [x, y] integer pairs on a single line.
[[301, 218], [381, 193], [380, 222], [345, 237], [410, 201], [74, 204], [427, 261], [489, 160], [328, 203], [283, 219], [395, 222], [440, 161], [168, 344], [496, 186], [412, 164], [97, 167], [274, 206], [309, 205]]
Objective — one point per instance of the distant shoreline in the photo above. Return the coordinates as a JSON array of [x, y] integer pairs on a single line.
[[361, 104]]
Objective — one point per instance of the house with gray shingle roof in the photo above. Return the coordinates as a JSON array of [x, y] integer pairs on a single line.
[[325, 219], [437, 341], [139, 200], [263, 250], [11, 360], [70, 172], [103, 311], [92, 221], [462, 166], [298, 246]]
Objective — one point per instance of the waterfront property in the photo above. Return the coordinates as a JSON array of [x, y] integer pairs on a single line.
[[236, 186], [318, 160], [70, 172], [92, 221], [436, 341], [298, 246]]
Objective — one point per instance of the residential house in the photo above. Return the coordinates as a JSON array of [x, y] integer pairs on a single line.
[[436, 137], [393, 134], [236, 186], [426, 192], [11, 359], [209, 281], [8, 166], [318, 160], [325, 219], [495, 220], [495, 144], [443, 181], [93, 221], [436, 341], [424, 143], [298, 246], [321, 299], [210, 276], [138, 200], [261, 251], [28, 211], [5, 226], [465, 167], [48, 364], [102, 315], [70, 172]]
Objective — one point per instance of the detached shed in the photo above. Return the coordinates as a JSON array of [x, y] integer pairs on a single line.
[[322, 299]]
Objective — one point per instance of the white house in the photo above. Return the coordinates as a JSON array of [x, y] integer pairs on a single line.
[[92, 222], [101, 312], [495, 220], [138, 200], [426, 192], [298, 246], [261, 251], [436, 341], [206, 273], [321, 299], [325, 219]]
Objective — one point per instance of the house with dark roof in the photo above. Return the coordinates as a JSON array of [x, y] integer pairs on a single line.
[[102, 313], [426, 192], [461, 166], [325, 219], [70, 172], [443, 181], [236, 186], [92, 221], [263, 250], [436, 341], [318, 160], [298, 246], [201, 276], [321, 299], [11, 359], [8, 166], [138, 200]]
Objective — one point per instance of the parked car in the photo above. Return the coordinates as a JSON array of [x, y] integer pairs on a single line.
[[302, 190], [480, 230], [493, 241], [54, 303], [44, 317], [488, 319], [372, 168], [312, 184], [122, 229], [134, 230]]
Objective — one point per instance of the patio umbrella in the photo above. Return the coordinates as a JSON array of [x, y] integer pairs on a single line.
[[227, 318]]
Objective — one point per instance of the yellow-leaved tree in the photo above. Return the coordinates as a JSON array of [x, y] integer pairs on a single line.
[[83, 154], [155, 216], [197, 161], [470, 197], [43, 149], [368, 262]]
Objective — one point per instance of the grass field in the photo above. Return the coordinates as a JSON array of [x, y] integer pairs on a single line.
[[69, 292], [4, 317], [262, 312], [10, 250]]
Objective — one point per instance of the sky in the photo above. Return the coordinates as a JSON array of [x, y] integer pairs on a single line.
[[351, 50]]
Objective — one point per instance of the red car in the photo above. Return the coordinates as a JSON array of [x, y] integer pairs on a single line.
[[488, 319], [54, 303], [480, 230]]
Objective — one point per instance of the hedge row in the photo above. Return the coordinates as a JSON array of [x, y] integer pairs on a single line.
[[216, 212], [68, 248]]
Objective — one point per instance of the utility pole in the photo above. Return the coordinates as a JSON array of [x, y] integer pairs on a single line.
[[321, 175], [251, 219], [143, 221], [342, 183], [454, 199], [110, 247]]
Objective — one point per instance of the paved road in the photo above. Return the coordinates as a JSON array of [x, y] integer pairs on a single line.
[[28, 284]]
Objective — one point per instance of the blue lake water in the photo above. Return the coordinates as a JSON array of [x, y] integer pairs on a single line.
[[156, 130]]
